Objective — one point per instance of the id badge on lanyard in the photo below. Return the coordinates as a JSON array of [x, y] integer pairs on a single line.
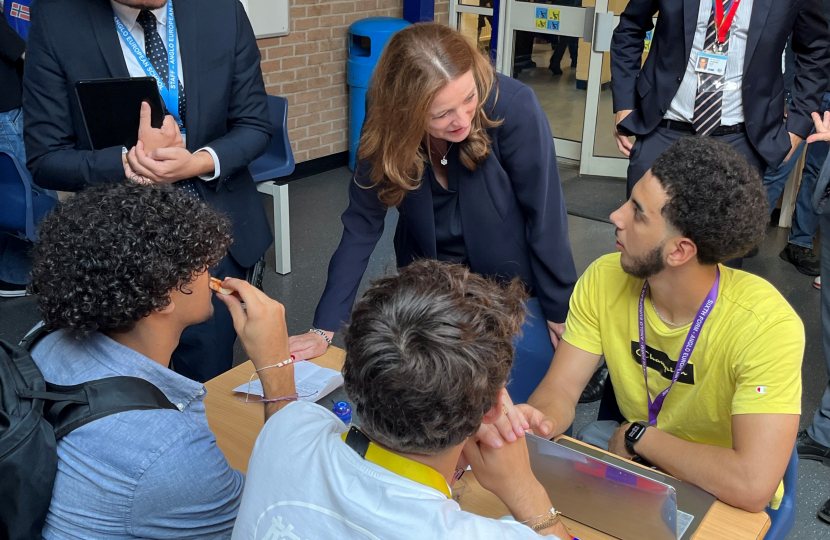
[[169, 90], [710, 65]]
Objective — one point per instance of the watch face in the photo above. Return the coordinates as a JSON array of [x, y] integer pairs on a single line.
[[635, 432]]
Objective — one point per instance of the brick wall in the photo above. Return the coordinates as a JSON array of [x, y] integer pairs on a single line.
[[308, 66], [442, 11]]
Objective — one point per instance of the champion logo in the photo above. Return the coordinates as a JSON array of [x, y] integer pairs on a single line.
[[21, 12], [761, 389]]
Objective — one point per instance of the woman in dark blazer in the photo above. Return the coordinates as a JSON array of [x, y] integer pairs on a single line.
[[467, 158]]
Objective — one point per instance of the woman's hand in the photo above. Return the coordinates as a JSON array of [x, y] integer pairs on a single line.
[[308, 345], [822, 128], [556, 331]]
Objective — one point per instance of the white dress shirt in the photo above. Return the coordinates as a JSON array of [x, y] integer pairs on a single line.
[[304, 482], [128, 16], [683, 105]]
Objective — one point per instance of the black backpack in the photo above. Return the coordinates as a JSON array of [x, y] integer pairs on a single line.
[[34, 415]]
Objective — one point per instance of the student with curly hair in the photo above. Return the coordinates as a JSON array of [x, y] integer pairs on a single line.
[[120, 271], [428, 352], [705, 360]]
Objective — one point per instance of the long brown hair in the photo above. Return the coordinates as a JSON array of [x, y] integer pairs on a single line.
[[418, 62]]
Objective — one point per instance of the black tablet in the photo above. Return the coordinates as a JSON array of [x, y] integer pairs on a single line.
[[111, 109]]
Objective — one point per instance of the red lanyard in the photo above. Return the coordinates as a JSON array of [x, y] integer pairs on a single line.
[[724, 21]]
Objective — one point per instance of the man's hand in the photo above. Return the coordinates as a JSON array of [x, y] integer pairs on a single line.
[[132, 175], [308, 345], [168, 165], [506, 473], [260, 325], [556, 330], [623, 142], [822, 128], [617, 443], [261, 328], [795, 140], [167, 136], [511, 426]]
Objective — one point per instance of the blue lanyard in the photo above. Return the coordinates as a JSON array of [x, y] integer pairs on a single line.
[[170, 91]]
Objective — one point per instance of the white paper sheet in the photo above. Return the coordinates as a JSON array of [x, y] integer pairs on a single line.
[[310, 379]]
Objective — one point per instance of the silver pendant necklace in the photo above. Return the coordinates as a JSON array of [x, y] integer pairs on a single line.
[[444, 159], [664, 319]]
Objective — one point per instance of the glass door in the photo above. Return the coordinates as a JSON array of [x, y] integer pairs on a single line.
[[545, 46], [602, 157], [561, 49], [474, 19]]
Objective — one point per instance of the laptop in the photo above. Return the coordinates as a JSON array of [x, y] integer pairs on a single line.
[[615, 496]]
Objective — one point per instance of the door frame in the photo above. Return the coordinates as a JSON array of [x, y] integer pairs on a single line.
[[594, 24]]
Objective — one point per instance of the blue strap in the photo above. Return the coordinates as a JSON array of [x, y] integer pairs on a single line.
[[170, 91]]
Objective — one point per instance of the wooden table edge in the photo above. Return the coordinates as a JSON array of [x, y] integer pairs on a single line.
[[236, 426]]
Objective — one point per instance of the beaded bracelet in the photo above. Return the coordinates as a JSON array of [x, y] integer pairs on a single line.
[[549, 522], [550, 512], [292, 397], [292, 359], [320, 333]]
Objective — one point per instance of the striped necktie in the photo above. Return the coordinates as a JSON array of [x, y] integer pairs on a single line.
[[156, 52], [709, 97]]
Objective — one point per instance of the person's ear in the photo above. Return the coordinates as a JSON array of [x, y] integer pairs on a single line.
[[168, 309], [495, 411], [681, 251]]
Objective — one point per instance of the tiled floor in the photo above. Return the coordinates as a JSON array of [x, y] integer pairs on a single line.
[[316, 204]]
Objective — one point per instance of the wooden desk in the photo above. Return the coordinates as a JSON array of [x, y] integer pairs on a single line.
[[237, 424]]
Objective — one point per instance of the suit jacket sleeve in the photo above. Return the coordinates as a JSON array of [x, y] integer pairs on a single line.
[[12, 46], [811, 46], [528, 156], [363, 223], [48, 131], [248, 118], [627, 46]]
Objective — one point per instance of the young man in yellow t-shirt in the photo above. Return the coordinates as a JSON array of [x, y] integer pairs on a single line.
[[728, 423]]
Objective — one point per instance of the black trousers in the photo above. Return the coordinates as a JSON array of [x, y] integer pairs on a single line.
[[648, 147], [206, 350]]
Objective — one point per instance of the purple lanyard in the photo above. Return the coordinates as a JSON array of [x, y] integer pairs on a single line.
[[654, 407]]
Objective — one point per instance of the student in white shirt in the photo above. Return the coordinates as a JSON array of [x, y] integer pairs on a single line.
[[427, 355]]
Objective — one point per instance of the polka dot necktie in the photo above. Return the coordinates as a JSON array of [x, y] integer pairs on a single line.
[[156, 52], [709, 97]]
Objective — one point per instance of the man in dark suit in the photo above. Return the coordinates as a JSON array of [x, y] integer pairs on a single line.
[[670, 96], [221, 104]]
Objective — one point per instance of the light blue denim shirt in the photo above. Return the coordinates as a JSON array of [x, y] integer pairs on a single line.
[[137, 474]]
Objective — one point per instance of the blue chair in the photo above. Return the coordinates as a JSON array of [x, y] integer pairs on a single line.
[[21, 207], [783, 519], [278, 161]]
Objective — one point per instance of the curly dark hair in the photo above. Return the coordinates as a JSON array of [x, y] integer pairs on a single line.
[[427, 352], [716, 198], [111, 254]]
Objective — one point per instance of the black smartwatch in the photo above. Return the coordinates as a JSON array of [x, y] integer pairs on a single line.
[[633, 434]]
